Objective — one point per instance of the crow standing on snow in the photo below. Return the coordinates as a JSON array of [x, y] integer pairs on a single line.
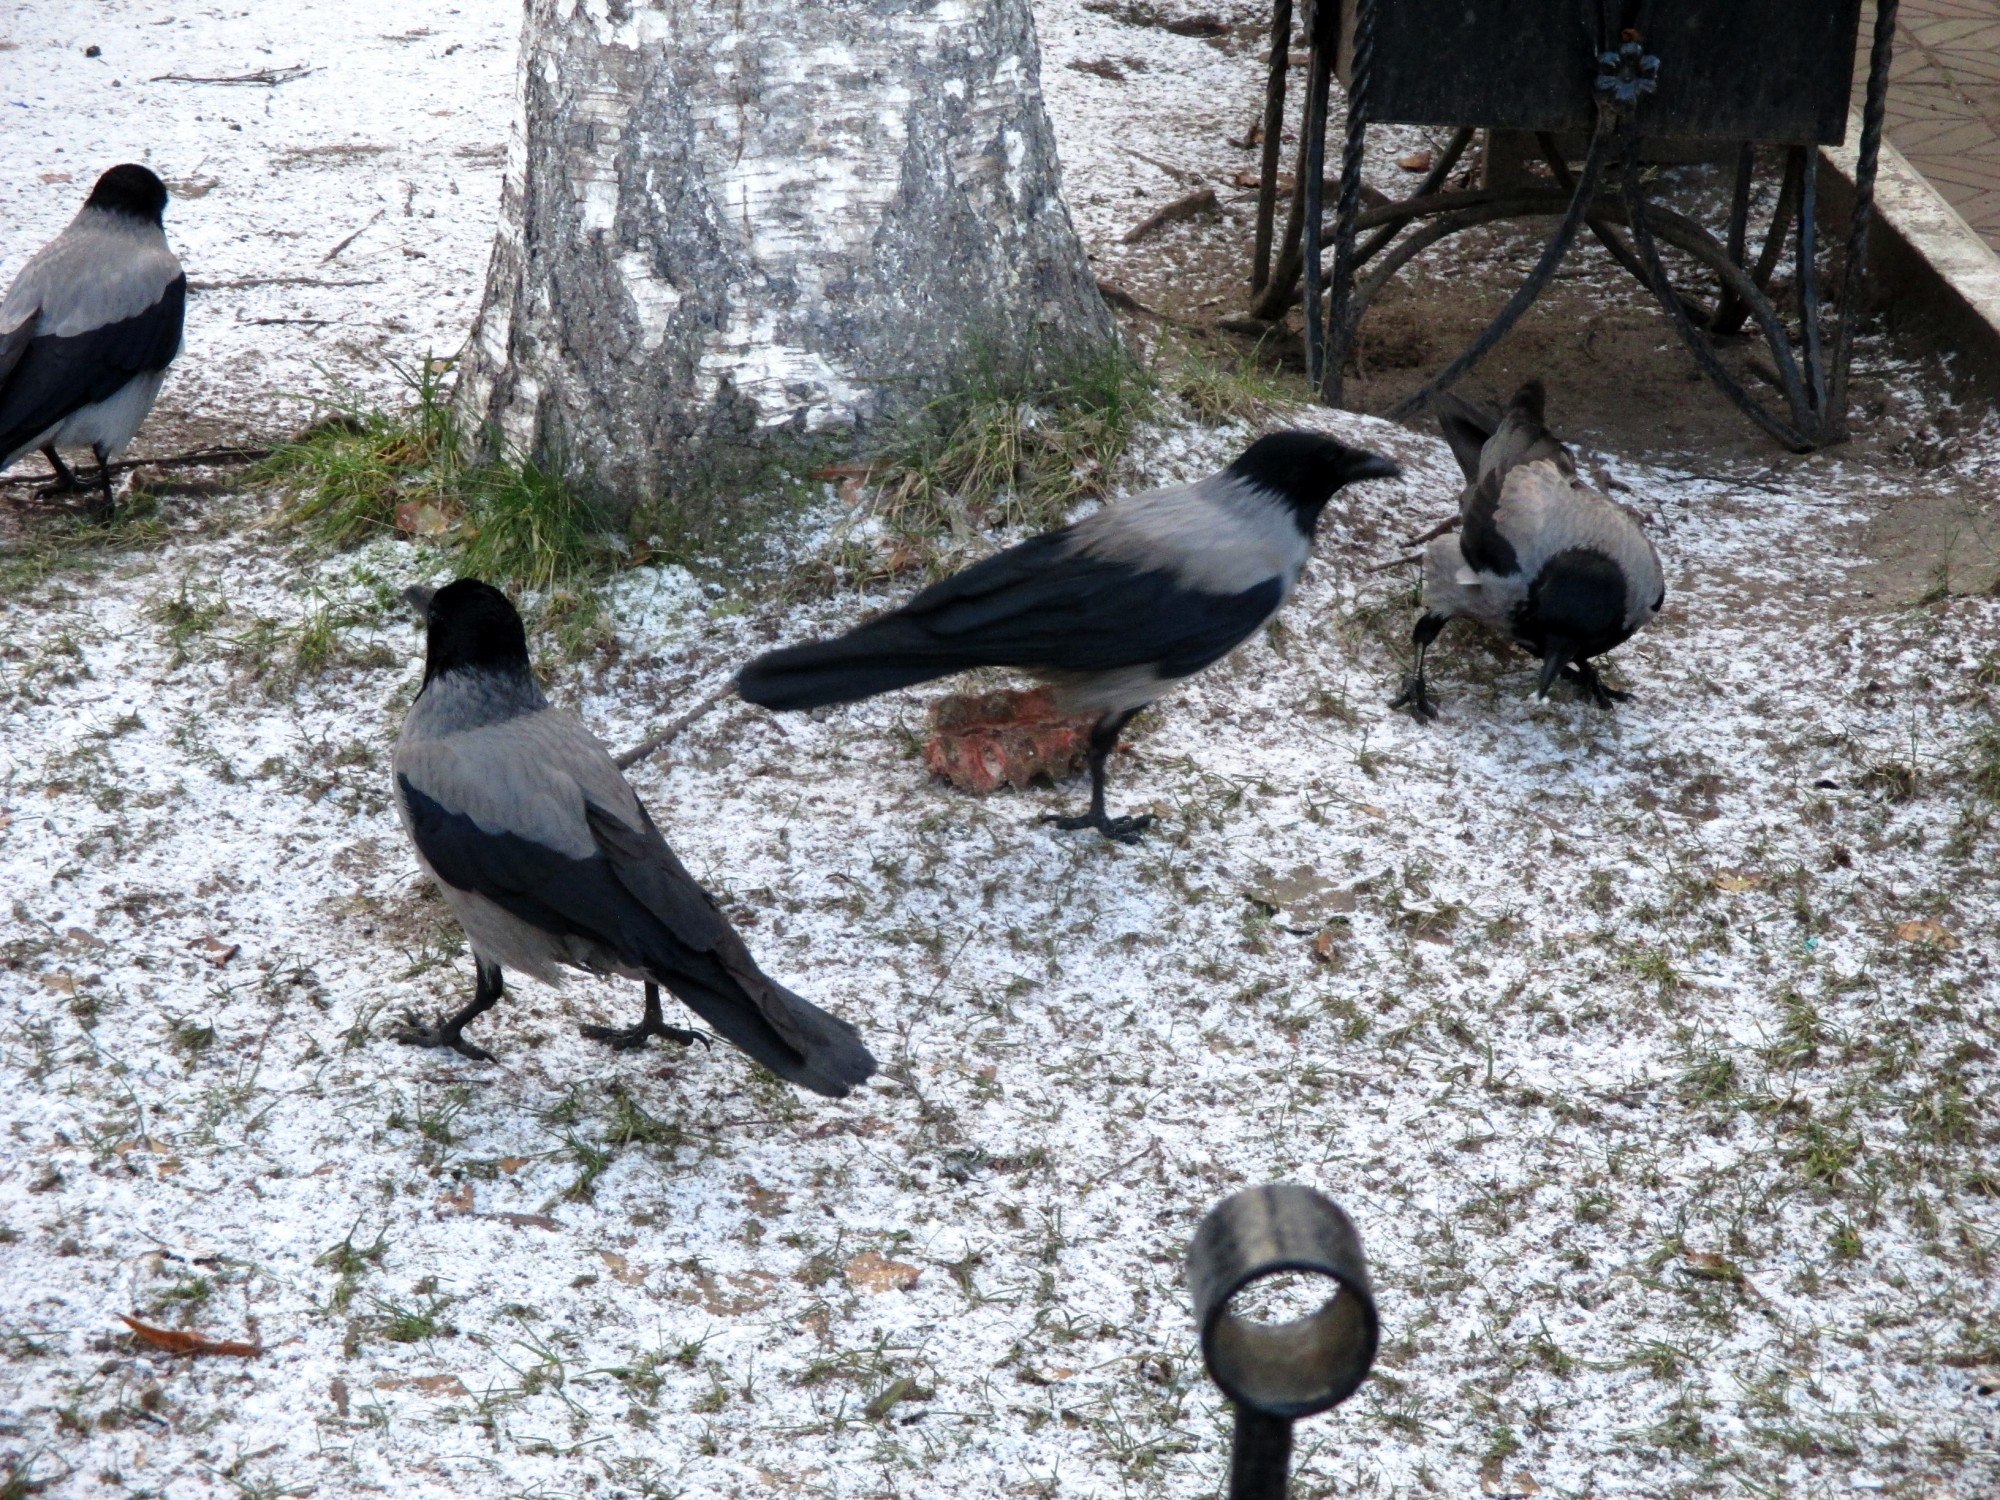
[[89, 327], [548, 859], [1539, 556], [1113, 610]]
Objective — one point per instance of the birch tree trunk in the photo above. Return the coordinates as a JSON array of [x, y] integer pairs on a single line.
[[728, 224]]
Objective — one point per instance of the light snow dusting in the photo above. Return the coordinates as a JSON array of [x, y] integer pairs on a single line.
[[1653, 1052]]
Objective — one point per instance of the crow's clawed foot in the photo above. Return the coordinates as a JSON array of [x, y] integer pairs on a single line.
[[1593, 686], [415, 1032], [1416, 699], [631, 1038], [1119, 830]]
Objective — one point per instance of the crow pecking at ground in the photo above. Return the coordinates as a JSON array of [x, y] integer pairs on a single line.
[[1539, 556], [1113, 610]]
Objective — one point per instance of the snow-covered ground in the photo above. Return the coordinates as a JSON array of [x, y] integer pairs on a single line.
[[1653, 1052]]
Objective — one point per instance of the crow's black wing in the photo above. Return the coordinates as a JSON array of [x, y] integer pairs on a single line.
[[1043, 605], [57, 376]]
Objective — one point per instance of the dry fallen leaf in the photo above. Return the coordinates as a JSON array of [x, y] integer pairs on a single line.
[[435, 1385], [1303, 900], [216, 951], [731, 1296], [1926, 930], [421, 518], [872, 1272], [981, 741], [1735, 880], [1706, 1265], [178, 1341], [621, 1268], [760, 1198], [460, 1200], [1416, 161], [511, 1164], [62, 984]]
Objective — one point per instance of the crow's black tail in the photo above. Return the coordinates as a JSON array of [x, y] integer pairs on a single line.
[[791, 1036], [879, 657]]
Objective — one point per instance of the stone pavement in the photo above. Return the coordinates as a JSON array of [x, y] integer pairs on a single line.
[[1944, 100]]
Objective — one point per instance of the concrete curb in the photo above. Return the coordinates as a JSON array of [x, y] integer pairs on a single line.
[[1929, 273]]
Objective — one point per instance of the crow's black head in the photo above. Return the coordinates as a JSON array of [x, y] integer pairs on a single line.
[[1304, 469], [471, 624], [131, 190]]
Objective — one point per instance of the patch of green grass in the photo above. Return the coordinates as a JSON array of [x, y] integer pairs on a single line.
[[347, 474], [1218, 389], [1009, 448], [67, 543], [363, 473]]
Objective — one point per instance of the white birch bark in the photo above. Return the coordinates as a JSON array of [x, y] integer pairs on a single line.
[[732, 221]]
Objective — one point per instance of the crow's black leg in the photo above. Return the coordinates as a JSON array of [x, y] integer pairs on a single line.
[[107, 505], [1413, 696], [628, 1038], [65, 476], [1594, 687], [449, 1031], [1103, 740]]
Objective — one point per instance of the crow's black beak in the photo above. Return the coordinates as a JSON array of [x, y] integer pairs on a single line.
[[1366, 465]]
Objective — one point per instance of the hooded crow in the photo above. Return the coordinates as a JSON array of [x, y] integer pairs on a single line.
[[1539, 556], [547, 857], [89, 327], [1113, 610]]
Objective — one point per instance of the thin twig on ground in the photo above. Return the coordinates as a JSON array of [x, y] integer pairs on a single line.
[[196, 458], [1201, 200], [1449, 523], [703, 706], [268, 77]]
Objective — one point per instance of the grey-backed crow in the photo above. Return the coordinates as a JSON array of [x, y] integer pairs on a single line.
[[89, 327], [1113, 610], [1539, 556], [548, 859]]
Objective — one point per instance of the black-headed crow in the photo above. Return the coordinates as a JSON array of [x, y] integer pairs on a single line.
[[547, 857], [1113, 610], [1539, 556], [89, 327]]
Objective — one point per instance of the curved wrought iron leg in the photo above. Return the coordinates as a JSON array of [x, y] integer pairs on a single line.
[[1799, 439], [1882, 47], [1274, 134], [1525, 294], [1807, 273], [1339, 328], [1433, 180], [1319, 79]]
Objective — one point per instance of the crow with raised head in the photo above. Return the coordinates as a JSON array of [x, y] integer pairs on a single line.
[[1539, 556], [549, 860], [88, 329], [1113, 610]]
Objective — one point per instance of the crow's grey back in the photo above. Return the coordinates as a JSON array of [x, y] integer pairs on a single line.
[[102, 269]]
